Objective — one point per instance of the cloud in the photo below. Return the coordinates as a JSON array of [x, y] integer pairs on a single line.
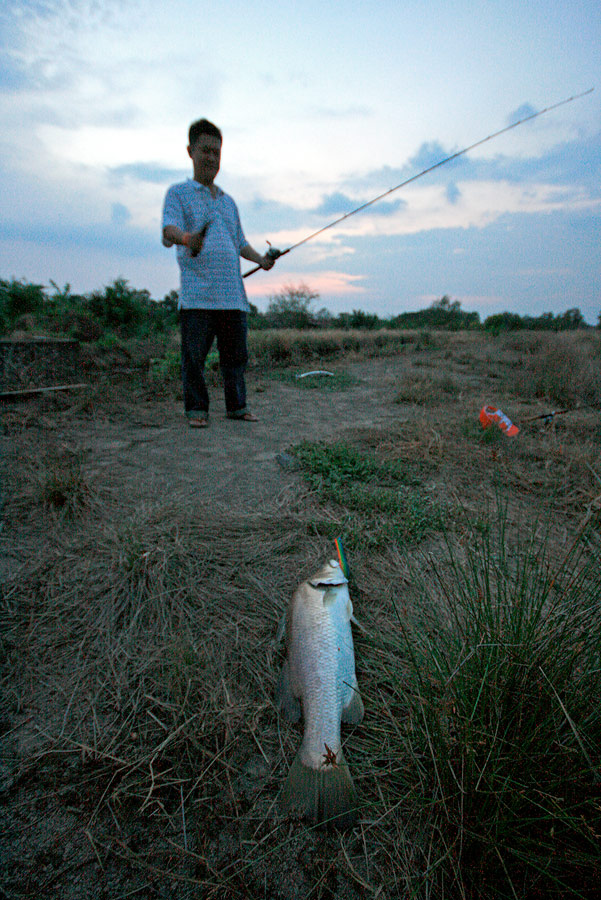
[[453, 193], [432, 153], [345, 112], [155, 173], [120, 215], [575, 161], [79, 238], [335, 204], [327, 283], [434, 207], [339, 204], [522, 112], [574, 164], [13, 77]]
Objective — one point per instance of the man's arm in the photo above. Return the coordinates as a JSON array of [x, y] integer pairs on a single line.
[[193, 241], [172, 235], [249, 253]]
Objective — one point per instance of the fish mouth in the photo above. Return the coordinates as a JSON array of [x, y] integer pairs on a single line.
[[330, 576]]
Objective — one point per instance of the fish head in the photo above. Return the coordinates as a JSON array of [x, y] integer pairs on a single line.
[[330, 575], [332, 584]]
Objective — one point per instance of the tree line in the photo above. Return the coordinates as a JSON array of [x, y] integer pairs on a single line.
[[125, 311]]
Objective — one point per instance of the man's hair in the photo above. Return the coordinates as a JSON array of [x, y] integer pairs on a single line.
[[202, 126]]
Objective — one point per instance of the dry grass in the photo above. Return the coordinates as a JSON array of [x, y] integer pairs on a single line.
[[288, 347], [139, 652]]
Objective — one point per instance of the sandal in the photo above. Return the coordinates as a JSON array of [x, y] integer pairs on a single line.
[[198, 422], [245, 417]]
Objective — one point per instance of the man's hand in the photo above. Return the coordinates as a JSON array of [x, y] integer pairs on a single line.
[[262, 262], [267, 262], [197, 240]]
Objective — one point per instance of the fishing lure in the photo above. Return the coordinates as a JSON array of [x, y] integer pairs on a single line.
[[342, 557]]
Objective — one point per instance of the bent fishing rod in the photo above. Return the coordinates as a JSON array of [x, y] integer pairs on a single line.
[[276, 254]]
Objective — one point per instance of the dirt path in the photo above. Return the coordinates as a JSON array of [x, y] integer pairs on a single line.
[[156, 453]]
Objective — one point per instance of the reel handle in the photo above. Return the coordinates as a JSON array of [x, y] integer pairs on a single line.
[[272, 253]]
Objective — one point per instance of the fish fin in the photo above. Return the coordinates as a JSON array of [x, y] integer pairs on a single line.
[[281, 629], [284, 698], [358, 624], [354, 711], [326, 796]]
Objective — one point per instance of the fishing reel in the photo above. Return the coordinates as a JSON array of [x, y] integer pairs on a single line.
[[273, 252]]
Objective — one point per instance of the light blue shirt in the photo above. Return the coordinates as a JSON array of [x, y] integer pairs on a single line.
[[211, 280]]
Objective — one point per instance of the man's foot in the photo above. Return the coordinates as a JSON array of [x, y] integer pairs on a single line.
[[244, 417], [197, 422]]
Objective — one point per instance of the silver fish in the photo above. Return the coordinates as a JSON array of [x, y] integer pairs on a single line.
[[319, 672]]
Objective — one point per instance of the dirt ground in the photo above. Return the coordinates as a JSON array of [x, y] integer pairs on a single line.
[[138, 450], [155, 452]]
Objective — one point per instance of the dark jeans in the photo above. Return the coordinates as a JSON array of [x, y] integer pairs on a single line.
[[199, 328]]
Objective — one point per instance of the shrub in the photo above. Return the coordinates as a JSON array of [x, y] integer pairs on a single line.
[[291, 308], [17, 298], [119, 307]]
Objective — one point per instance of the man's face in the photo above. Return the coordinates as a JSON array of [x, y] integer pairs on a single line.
[[205, 154]]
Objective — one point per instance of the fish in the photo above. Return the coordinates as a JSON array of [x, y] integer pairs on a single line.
[[318, 677]]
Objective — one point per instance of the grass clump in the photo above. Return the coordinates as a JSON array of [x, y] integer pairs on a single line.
[[561, 369], [489, 689], [336, 381], [427, 391], [383, 501], [286, 347], [62, 484]]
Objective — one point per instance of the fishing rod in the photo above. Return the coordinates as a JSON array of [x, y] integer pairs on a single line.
[[276, 254], [548, 417]]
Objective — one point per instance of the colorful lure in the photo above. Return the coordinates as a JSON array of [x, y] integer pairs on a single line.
[[490, 414], [341, 557]]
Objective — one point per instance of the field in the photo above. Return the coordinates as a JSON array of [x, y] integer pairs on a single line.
[[146, 567]]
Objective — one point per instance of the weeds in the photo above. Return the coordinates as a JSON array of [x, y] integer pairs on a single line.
[[168, 367], [488, 685], [289, 348], [139, 658], [427, 391], [336, 381], [382, 502], [560, 369], [58, 482]]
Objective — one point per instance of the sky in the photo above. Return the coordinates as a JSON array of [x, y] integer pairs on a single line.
[[323, 106]]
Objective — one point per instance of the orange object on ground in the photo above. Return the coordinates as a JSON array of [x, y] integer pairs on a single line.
[[490, 414]]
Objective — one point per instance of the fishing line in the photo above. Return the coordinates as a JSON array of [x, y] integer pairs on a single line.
[[276, 254]]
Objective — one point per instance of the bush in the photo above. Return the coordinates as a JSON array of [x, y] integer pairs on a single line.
[[504, 321], [119, 307], [291, 308], [570, 320], [443, 314], [19, 299]]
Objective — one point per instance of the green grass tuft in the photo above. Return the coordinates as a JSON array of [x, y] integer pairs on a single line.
[[338, 381], [383, 502], [488, 702]]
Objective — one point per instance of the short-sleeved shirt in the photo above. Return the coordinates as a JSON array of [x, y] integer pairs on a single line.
[[211, 280]]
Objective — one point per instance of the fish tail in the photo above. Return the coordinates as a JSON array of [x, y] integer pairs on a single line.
[[326, 795]]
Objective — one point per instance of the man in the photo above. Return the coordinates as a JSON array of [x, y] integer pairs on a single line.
[[203, 222]]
